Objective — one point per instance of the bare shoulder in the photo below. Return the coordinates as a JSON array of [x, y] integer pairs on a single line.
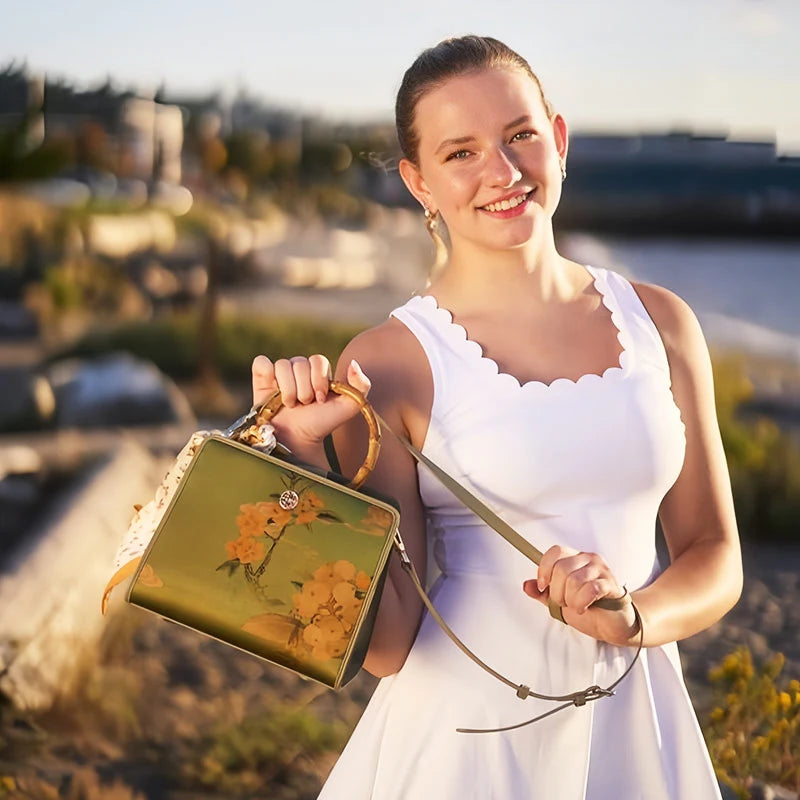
[[676, 322], [394, 361]]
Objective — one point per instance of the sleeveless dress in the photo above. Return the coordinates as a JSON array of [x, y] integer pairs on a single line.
[[593, 458]]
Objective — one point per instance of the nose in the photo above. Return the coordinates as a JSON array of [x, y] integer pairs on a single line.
[[501, 169]]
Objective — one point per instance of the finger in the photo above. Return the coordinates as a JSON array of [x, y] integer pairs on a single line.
[[562, 576], [531, 588], [595, 590], [302, 378], [578, 577], [264, 383], [357, 379], [320, 376], [284, 375], [549, 559]]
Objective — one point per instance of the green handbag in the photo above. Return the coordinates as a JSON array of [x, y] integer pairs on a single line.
[[270, 555], [288, 562]]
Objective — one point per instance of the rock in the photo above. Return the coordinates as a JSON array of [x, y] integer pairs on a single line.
[[765, 791], [51, 584], [771, 618], [116, 389]]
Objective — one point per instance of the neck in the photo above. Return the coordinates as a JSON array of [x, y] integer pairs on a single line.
[[477, 279]]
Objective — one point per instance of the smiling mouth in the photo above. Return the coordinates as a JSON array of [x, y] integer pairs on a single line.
[[505, 205]]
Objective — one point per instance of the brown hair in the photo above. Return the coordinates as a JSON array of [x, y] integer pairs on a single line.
[[448, 59]]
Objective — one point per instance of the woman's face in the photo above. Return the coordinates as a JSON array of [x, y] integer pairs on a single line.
[[488, 157]]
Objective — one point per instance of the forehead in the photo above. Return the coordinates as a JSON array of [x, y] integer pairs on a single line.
[[469, 103]]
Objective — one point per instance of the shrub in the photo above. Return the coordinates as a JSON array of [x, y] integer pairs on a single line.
[[764, 462], [172, 342], [753, 729], [261, 750]]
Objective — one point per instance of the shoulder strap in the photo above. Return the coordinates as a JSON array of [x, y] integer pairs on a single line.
[[481, 510], [578, 698]]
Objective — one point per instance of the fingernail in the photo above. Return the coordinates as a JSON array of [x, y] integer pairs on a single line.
[[321, 396], [356, 366]]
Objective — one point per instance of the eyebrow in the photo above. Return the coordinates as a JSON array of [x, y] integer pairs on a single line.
[[465, 139]]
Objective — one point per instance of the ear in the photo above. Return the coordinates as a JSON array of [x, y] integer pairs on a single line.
[[415, 183], [561, 134]]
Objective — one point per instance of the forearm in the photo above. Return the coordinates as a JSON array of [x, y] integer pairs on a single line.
[[396, 623], [693, 593]]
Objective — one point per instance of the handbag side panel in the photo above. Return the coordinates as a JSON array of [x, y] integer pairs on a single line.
[[270, 558]]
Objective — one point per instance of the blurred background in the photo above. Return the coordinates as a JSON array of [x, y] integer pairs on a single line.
[[183, 187]]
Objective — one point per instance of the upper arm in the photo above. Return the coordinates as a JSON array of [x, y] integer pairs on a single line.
[[699, 505]]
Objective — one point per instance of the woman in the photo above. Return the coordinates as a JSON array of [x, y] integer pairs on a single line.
[[577, 405]]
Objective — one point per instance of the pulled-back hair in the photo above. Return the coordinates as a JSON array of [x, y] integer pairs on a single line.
[[446, 60]]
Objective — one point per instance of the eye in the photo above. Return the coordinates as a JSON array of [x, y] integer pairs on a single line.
[[458, 155], [522, 135]]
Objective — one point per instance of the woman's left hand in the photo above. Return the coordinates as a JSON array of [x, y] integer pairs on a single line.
[[575, 580]]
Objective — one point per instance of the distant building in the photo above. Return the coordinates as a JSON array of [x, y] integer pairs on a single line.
[[676, 147], [133, 136]]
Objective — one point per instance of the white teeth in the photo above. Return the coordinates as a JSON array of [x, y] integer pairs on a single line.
[[504, 205]]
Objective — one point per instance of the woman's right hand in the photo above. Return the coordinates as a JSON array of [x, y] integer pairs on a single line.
[[308, 413]]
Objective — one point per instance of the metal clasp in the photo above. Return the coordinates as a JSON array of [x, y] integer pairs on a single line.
[[401, 548], [241, 423]]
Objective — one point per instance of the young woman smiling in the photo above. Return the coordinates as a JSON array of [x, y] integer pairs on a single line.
[[577, 405]]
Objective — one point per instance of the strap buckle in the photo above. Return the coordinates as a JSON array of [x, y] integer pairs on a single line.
[[592, 693]]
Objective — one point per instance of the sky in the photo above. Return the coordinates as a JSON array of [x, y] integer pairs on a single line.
[[712, 66]]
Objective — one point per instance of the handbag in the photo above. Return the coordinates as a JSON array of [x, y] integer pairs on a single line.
[[286, 561]]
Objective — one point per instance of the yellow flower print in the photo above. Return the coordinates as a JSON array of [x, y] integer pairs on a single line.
[[250, 520], [331, 604], [344, 570], [326, 637], [347, 605], [376, 521], [246, 549], [256, 519], [149, 578], [304, 605], [309, 507], [324, 573], [362, 581], [314, 596], [275, 518]]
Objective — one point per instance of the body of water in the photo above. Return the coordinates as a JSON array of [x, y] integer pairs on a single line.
[[745, 293]]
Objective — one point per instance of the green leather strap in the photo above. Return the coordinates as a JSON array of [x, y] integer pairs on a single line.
[[579, 698]]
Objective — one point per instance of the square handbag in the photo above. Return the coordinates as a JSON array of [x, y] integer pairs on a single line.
[[270, 555]]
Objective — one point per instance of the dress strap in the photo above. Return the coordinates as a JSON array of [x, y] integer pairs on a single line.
[[413, 316], [644, 337]]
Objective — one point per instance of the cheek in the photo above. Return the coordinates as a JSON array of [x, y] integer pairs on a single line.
[[454, 191]]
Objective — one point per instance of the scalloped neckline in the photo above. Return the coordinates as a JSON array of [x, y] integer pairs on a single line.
[[458, 335]]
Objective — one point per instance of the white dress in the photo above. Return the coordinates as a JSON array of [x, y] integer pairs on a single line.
[[597, 455]]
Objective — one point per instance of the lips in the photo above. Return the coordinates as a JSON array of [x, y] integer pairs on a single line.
[[507, 203]]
